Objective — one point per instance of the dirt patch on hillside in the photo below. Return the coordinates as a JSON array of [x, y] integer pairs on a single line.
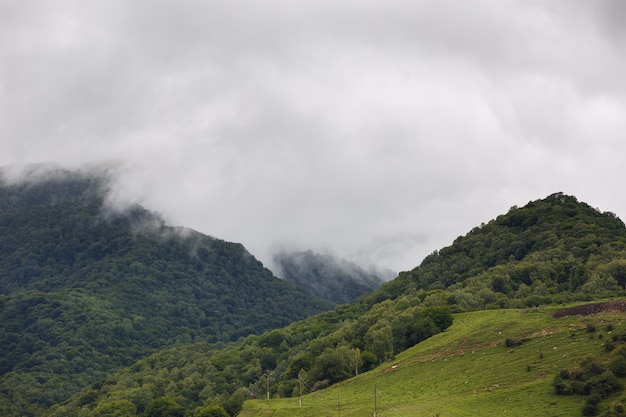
[[615, 306]]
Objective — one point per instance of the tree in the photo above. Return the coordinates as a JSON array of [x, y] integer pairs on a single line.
[[118, 408], [379, 341], [233, 404], [440, 315], [355, 360], [164, 407], [331, 365], [211, 411], [617, 269]]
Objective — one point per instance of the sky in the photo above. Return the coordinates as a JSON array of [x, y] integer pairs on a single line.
[[378, 131]]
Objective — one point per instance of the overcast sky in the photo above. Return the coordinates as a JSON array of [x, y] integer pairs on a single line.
[[378, 130]]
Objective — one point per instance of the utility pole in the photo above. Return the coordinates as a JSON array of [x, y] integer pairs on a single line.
[[338, 406], [267, 375], [300, 381], [374, 400]]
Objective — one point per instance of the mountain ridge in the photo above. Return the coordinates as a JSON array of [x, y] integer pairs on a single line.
[[325, 276]]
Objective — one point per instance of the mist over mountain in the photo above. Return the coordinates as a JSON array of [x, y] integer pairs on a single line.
[[86, 290], [328, 277]]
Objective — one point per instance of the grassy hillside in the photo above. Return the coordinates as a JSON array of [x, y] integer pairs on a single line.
[[468, 371]]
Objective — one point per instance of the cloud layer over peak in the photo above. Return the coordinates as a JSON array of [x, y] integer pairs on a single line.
[[378, 130]]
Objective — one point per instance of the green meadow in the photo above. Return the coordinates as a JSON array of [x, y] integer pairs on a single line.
[[468, 370]]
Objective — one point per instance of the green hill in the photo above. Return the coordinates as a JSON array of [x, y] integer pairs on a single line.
[[550, 250], [85, 291]]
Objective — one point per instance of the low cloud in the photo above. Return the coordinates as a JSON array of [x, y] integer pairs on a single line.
[[376, 131]]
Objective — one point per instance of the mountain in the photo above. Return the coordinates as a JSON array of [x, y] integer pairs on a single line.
[[86, 290], [325, 276], [551, 251]]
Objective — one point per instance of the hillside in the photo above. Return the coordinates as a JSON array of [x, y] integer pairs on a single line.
[[488, 363], [326, 276], [551, 251], [85, 290]]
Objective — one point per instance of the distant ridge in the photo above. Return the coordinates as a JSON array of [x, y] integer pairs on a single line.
[[325, 276]]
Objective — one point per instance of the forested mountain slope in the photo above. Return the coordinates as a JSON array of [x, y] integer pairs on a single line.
[[550, 251], [326, 276], [85, 291]]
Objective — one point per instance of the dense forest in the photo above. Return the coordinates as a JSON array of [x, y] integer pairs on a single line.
[[86, 290], [554, 250], [328, 277]]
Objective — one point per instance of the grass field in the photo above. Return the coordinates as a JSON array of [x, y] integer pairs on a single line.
[[467, 371]]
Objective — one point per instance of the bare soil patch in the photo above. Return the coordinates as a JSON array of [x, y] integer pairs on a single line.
[[614, 306]]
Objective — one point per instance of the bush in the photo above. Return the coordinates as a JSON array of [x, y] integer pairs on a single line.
[[591, 405], [560, 387], [618, 366], [603, 384], [512, 343], [590, 368]]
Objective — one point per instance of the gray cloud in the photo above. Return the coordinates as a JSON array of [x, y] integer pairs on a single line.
[[377, 130]]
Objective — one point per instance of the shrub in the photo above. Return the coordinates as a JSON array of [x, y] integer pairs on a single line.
[[591, 368], [591, 406], [603, 384], [560, 388], [512, 343], [618, 366]]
